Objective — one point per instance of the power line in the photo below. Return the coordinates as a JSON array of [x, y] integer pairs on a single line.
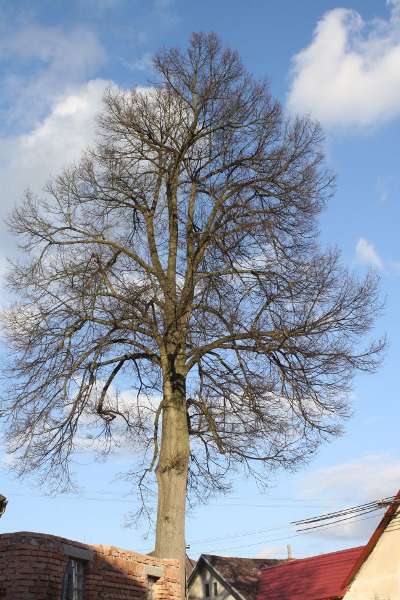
[[341, 516], [350, 514], [239, 535], [354, 509], [233, 504], [310, 500], [351, 517], [295, 535], [347, 514], [334, 518], [131, 500], [65, 497]]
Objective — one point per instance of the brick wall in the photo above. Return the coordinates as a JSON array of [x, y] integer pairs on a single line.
[[32, 567]]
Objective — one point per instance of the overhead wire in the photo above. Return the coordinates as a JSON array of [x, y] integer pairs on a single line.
[[286, 537], [334, 519], [112, 497], [351, 517], [321, 522], [239, 535], [352, 509]]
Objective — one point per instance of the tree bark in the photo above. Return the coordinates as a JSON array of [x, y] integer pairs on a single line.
[[172, 475]]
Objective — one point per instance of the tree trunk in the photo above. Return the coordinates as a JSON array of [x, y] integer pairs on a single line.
[[172, 475]]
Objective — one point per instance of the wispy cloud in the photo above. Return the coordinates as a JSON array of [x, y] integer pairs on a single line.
[[100, 7], [162, 5], [350, 72], [165, 10], [142, 63], [387, 189], [368, 478], [28, 160], [42, 65], [367, 255], [382, 192]]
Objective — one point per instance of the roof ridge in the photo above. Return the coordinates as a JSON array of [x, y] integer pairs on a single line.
[[297, 560], [243, 557]]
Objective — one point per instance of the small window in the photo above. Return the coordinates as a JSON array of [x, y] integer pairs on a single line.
[[215, 588], [74, 581], [151, 581], [207, 588]]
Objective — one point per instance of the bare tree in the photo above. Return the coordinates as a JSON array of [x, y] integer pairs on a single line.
[[181, 255]]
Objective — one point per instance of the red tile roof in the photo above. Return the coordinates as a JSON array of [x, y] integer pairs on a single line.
[[319, 577]]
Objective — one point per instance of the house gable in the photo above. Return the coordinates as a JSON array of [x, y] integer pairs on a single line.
[[227, 578], [205, 583], [376, 575]]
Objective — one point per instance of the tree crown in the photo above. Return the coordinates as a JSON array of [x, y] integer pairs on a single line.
[[184, 246]]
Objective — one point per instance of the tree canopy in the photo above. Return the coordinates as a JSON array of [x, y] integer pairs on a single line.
[[181, 256]]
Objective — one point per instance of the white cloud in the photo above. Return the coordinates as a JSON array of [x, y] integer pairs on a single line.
[[164, 9], [28, 160], [367, 255], [142, 63], [350, 73], [41, 65], [139, 410], [126, 444], [368, 478], [395, 4]]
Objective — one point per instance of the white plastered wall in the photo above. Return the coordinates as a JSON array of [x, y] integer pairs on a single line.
[[379, 576]]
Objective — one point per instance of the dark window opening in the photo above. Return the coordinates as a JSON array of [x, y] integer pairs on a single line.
[[151, 581], [74, 580], [215, 588], [207, 587]]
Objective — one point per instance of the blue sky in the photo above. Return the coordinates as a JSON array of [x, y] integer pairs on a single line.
[[339, 63]]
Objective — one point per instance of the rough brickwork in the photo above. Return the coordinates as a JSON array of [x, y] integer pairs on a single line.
[[32, 567]]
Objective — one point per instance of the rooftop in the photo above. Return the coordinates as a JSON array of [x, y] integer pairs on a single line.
[[321, 577]]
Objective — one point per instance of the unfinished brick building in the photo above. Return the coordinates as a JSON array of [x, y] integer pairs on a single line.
[[36, 566]]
